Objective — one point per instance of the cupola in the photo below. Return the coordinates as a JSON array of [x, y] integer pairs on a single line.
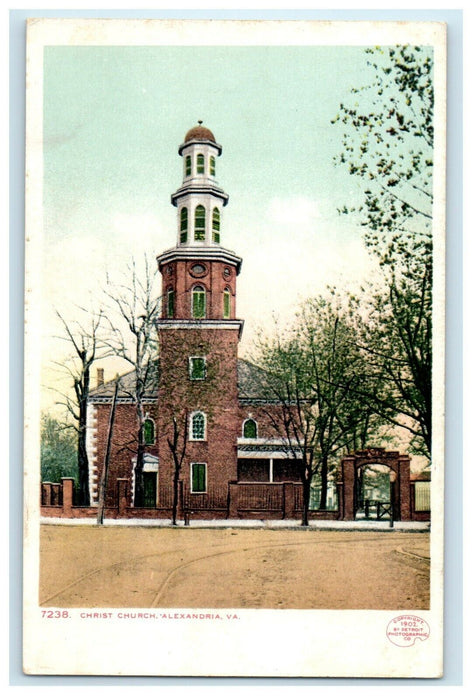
[[199, 200]]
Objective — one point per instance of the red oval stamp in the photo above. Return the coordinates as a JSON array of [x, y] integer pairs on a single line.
[[404, 630]]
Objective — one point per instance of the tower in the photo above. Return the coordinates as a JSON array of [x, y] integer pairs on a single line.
[[198, 331]]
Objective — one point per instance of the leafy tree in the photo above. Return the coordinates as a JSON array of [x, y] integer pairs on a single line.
[[58, 450], [396, 339], [314, 371], [388, 146]]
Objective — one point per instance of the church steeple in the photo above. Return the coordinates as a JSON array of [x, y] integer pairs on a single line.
[[199, 200], [199, 274]]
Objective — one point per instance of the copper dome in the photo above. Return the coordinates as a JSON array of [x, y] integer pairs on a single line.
[[199, 133]]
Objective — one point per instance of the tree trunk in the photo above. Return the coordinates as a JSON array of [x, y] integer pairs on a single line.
[[175, 498], [306, 500], [83, 490]]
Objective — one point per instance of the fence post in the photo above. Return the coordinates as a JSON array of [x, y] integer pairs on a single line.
[[67, 496], [288, 500], [404, 487], [56, 495], [340, 494], [46, 493]]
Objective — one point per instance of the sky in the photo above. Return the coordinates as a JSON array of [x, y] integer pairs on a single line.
[[114, 117]]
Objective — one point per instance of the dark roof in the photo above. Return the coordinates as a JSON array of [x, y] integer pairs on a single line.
[[252, 385], [127, 383]]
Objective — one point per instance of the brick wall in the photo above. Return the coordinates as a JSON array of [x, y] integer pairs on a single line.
[[215, 396], [177, 276], [123, 448]]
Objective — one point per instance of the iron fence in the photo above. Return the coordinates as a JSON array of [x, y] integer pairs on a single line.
[[260, 497], [212, 499]]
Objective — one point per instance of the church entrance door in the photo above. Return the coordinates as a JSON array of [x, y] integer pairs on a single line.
[[150, 489]]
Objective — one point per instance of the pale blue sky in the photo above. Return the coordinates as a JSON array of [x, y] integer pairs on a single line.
[[114, 117], [113, 120]]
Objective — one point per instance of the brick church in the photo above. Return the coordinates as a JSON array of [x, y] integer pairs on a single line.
[[213, 400], [207, 410]]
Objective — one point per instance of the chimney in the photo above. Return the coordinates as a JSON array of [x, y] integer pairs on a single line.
[[100, 376]]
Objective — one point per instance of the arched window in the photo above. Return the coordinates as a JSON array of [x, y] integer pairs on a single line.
[[250, 428], [170, 302], [212, 165], [200, 223], [183, 224], [188, 166], [149, 432], [215, 225], [198, 426], [226, 303], [198, 302], [200, 164]]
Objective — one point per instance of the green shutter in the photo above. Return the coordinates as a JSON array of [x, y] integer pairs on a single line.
[[212, 165], [188, 165], [198, 478], [197, 368]]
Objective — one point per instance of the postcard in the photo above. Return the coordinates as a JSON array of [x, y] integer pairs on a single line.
[[234, 343]]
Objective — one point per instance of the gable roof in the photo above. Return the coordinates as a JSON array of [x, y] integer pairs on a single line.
[[252, 386], [103, 393]]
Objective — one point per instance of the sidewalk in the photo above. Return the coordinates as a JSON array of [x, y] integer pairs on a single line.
[[366, 525]]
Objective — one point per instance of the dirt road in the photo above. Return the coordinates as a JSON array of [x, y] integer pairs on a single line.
[[87, 566]]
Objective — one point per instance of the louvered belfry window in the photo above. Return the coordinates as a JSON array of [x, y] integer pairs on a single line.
[[200, 164], [200, 223], [198, 302], [215, 225], [183, 224]]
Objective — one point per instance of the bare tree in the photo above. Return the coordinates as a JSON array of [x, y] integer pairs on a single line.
[[177, 443], [132, 336], [88, 347]]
